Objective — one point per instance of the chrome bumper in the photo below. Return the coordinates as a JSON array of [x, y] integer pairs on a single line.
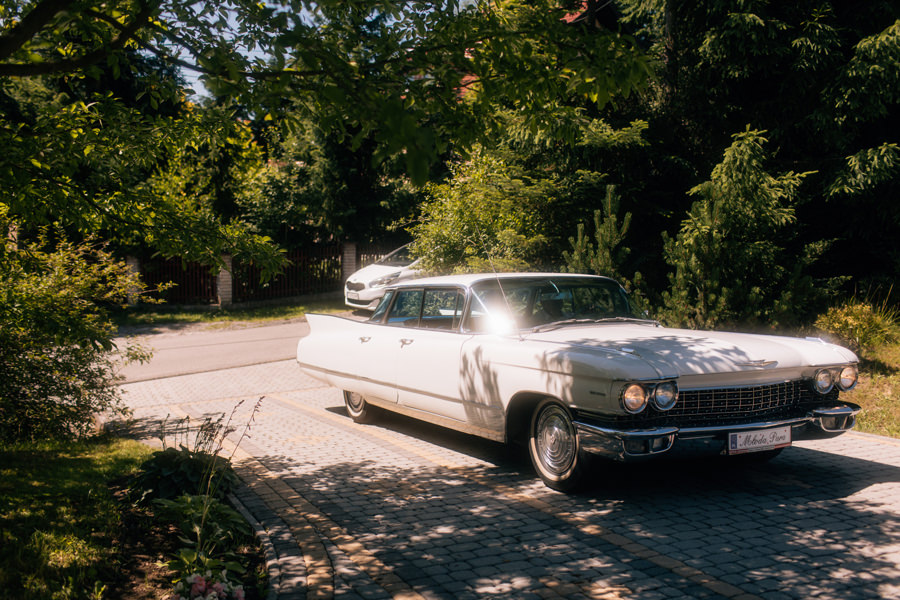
[[625, 444]]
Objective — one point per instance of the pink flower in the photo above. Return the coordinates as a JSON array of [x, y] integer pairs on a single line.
[[219, 588], [199, 587], [238, 592]]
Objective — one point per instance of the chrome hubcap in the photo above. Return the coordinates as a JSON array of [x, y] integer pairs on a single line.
[[355, 402], [555, 437]]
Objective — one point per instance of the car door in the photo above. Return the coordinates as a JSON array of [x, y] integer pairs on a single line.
[[428, 366], [371, 352]]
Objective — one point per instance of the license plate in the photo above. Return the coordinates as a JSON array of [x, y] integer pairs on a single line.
[[762, 439], [352, 295]]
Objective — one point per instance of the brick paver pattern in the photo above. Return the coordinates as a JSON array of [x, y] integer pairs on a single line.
[[401, 509]]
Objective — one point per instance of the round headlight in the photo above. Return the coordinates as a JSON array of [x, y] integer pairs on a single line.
[[824, 381], [665, 395], [634, 398], [849, 377]]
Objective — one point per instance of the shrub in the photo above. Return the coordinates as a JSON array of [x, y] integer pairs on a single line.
[[173, 472], [188, 485], [55, 338], [860, 324], [193, 466], [488, 217], [208, 526]]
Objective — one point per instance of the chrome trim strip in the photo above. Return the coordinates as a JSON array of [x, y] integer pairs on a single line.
[[625, 434], [712, 430], [343, 374]]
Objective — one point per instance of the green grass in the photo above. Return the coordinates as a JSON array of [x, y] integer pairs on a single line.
[[58, 519], [162, 314], [878, 391]]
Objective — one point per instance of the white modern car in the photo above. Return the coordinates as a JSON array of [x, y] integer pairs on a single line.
[[364, 288], [561, 363]]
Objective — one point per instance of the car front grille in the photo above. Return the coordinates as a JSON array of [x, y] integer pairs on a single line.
[[731, 406], [354, 286]]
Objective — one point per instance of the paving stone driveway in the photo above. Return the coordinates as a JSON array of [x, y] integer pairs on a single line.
[[399, 509]]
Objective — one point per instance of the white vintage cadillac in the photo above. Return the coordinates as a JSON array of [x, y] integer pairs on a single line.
[[561, 363]]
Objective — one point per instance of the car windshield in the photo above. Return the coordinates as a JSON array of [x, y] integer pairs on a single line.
[[504, 305], [398, 258]]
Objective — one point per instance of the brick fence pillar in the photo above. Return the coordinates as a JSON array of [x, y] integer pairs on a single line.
[[348, 260], [12, 237], [134, 265], [225, 282]]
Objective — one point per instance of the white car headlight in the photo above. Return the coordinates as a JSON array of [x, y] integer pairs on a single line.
[[385, 280], [824, 381], [848, 378], [634, 398], [665, 395]]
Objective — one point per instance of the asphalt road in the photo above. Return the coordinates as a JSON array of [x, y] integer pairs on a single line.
[[400, 509], [202, 348]]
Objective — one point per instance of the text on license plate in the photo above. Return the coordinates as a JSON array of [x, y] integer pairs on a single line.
[[762, 439]]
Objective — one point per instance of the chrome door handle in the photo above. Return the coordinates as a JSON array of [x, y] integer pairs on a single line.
[[364, 338]]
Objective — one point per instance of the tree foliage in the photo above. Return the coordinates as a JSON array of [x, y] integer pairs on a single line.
[[56, 338], [605, 254], [729, 253], [310, 186], [487, 217]]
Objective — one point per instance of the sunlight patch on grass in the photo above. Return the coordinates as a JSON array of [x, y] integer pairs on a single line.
[[878, 392], [58, 517], [158, 315]]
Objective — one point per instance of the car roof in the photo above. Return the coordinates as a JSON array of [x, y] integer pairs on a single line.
[[470, 279]]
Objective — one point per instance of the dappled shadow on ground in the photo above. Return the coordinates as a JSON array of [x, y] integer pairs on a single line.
[[809, 523], [483, 449], [797, 525]]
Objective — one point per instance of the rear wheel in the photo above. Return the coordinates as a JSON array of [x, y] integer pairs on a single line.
[[553, 447], [357, 407]]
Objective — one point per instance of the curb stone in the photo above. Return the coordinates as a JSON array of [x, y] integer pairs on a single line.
[[273, 562]]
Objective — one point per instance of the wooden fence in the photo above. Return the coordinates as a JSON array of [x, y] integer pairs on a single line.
[[193, 283], [315, 270], [311, 271]]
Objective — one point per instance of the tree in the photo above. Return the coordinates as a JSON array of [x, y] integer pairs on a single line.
[[606, 254], [486, 217], [375, 67], [311, 186], [729, 255], [819, 77], [83, 159]]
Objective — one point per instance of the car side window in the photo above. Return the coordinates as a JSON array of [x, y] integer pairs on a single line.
[[442, 309], [406, 308], [381, 309]]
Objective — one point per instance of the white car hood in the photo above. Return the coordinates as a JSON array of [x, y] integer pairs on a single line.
[[372, 272], [683, 352]]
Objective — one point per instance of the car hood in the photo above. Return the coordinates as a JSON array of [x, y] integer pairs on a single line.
[[374, 271], [683, 352]]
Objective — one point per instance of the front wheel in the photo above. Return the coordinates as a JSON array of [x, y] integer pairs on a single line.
[[357, 407], [553, 447]]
